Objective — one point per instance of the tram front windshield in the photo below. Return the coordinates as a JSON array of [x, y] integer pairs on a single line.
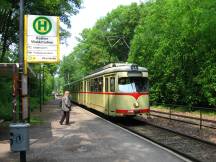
[[133, 84]]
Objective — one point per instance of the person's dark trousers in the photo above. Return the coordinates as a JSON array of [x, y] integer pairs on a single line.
[[65, 114]]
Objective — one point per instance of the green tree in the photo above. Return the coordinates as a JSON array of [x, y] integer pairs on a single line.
[[106, 42], [175, 40]]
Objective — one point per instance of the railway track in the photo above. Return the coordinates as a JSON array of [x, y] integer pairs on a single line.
[[190, 147], [195, 149]]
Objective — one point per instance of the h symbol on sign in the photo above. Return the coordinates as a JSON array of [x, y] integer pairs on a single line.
[[42, 25]]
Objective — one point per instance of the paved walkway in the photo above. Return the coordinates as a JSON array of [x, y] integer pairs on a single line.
[[87, 138]]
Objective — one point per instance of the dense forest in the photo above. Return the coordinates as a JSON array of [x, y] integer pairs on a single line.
[[175, 40], [9, 32]]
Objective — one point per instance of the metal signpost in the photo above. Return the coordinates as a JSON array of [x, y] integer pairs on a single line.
[[23, 77], [19, 139], [39, 42]]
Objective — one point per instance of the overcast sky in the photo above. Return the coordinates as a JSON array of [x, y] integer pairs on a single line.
[[86, 18]]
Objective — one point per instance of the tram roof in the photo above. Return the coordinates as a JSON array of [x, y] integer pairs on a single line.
[[116, 67], [110, 68]]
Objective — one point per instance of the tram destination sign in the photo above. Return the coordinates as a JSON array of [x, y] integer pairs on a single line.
[[41, 39]]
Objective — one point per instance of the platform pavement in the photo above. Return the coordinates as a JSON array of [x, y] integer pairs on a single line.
[[88, 138]]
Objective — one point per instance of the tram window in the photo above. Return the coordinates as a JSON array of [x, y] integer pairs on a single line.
[[112, 84], [133, 84], [85, 86], [106, 85], [77, 87], [88, 88], [100, 84], [92, 85], [81, 86], [96, 85]]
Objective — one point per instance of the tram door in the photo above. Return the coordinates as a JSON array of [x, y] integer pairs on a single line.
[[109, 97], [85, 94], [106, 95]]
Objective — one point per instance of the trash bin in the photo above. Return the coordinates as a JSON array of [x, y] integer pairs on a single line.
[[19, 137]]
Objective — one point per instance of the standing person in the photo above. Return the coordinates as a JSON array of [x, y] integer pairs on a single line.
[[66, 108]]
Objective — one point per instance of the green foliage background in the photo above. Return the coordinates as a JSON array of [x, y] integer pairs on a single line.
[[175, 40], [6, 98]]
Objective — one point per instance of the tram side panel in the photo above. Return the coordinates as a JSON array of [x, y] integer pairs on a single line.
[[85, 94], [112, 105], [74, 97], [81, 94], [96, 101], [74, 93]]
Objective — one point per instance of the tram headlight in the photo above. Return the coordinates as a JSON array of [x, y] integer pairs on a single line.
[[136, 104]]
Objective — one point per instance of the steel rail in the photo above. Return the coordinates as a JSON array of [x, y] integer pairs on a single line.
[[179, 133], [184, 116], [184, 121]]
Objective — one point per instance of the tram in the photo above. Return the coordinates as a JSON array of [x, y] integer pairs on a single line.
[[117, 89]]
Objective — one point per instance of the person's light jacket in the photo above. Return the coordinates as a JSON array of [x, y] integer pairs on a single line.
[[66, 104]]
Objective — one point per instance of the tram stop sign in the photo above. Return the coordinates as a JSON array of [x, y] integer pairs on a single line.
[[41, 39], [42, 25]]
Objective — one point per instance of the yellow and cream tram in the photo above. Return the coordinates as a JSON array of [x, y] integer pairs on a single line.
[[117, 89]]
